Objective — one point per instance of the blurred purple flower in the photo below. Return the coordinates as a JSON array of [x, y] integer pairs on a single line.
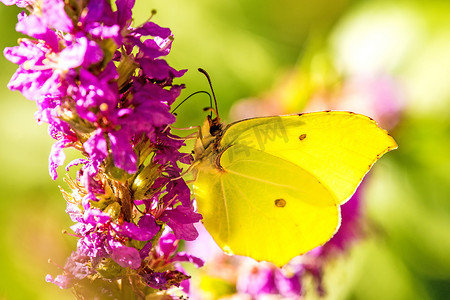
[[76, 268], [19, 3]]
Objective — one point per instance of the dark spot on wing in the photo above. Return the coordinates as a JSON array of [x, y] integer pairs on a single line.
[[302, 136], [280, 202]]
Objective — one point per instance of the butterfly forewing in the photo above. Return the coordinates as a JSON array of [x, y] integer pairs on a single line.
[[338, 148]]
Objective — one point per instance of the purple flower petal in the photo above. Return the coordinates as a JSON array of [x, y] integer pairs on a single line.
[[74, 212], [55, 16], [168, 244], [177, 189], [148, 222], [124, 13], [151, 109], [98, 11], [27, 51], [33, 84], [145, 250], [122, 151], [56, 158], [151, 48], [127, 257], [76, 162], [144, 232], [96, 146], [95, 217], [183, 256], [101, 22], [83, 52], [76, 268], [63, 281], [159, 69], [181, 220], [153, 29], [34, 26]]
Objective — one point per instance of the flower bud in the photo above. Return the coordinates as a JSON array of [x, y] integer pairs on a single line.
[[109, 269], [143, 182]]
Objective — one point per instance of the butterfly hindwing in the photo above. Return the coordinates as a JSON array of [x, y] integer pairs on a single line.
[[264, 207]]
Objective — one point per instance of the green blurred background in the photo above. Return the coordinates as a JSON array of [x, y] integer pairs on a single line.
[[280, 54]]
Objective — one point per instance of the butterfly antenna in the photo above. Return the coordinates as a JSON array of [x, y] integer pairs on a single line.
[[212, 90], [199, 92]]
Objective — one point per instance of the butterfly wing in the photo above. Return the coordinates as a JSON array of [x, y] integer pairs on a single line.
[[272, 187], [263, 206], [338, 148]]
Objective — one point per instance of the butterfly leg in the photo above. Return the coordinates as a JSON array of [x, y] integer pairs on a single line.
[[193, 165]]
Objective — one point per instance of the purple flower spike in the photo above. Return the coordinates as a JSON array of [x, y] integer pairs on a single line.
[[105, 91]]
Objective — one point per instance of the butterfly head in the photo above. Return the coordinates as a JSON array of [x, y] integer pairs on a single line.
[[215, 125], [208, 137], [211, 130]]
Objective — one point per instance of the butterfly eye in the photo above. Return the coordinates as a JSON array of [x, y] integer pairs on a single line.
[[214, 130]]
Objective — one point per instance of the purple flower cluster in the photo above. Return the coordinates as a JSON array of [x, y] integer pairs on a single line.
[[264, 279], [104, 89]]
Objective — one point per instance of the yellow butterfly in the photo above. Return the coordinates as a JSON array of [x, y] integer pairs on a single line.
[[271, 187]]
